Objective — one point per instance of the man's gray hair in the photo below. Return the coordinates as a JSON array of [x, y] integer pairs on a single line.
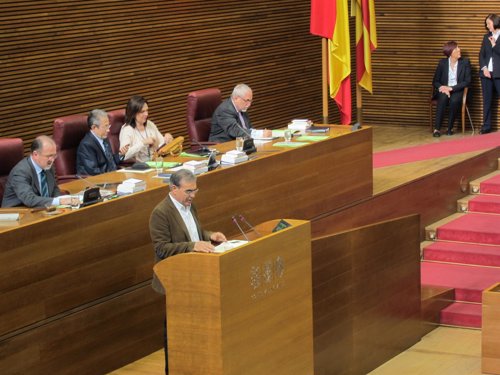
[[240, 90], [95, 117], [179, 176]]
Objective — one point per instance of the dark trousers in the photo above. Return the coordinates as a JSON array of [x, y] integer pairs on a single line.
[[455, 101], [488, 86]]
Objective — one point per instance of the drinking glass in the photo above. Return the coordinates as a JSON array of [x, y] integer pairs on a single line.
[[239, 144], [287, 134], [159, 165]]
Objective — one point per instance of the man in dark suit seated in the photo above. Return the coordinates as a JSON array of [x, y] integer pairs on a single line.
[[32, 182], [175, 227], [94, 155], [230, 120]]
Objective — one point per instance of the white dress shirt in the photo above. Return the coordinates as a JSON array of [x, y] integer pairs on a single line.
[[188, 219]]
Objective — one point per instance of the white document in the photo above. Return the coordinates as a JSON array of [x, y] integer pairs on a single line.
[[9, 216], [229, 245]]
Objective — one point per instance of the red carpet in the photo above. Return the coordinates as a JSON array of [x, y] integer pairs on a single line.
[[491, 185], [466, 253], [436, 150], [468, 281], [485, 203], [468, 314], [472, 227]]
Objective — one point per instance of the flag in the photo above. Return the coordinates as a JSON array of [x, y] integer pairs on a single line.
[[366, 40], [329, 19]]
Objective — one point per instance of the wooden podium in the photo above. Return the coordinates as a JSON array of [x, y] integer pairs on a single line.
[[246, 311]]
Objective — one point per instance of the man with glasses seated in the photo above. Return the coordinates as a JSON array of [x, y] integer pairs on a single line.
[[94, 155], [230, 120], [32, 182], [175, 228]]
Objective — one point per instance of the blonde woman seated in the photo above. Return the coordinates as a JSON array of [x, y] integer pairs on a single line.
[[141, 134]]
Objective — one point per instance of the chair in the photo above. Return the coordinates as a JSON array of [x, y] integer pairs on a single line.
[[68, 131], [116, 121], [201, 105], [433, 103], [11, 152]]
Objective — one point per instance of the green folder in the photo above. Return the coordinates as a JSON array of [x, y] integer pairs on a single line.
[[312, 138], [290, 144]]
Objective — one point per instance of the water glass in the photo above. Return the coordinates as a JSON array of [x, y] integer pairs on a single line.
[[159, 164], [287, 134], [239, 144]]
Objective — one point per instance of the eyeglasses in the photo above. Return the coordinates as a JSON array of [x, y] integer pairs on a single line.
[[191, 191], [249, 101], [51, 156]]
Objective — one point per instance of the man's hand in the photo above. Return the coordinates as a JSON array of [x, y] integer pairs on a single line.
[[218, 237], [203, 247], [168, 138]]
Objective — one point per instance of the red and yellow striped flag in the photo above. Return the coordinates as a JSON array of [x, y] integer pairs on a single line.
[[366, 40], [330, 19]]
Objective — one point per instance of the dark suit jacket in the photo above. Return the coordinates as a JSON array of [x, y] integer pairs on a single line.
[[487, 52], [170, 235], [23, 188], [463, 74], [226, 124], [91, 159]]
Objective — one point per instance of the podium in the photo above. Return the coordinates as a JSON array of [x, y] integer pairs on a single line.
[[245, 311]]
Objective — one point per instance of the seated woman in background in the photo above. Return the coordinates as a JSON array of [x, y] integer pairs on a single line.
[[452, 75], [141, 134]]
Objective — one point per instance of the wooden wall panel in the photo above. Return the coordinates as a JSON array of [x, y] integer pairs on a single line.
[[65, 57], [366, 296], [411, 34]]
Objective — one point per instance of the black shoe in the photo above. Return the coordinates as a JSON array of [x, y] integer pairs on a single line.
[[485, 131], [449, 132], [436, 133]]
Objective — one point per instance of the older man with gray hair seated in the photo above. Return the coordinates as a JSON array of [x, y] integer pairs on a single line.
[[230, 120], [94, 155]]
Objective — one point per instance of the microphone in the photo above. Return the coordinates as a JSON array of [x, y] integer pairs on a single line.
[[238, 225], [248, 132], [202, 148], [243, 220], [90, 185]]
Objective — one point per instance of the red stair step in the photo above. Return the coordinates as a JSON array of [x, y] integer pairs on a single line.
[[472, 227], [485, 203], [468, 281], [491, 185], [462, 315], [467, 253]]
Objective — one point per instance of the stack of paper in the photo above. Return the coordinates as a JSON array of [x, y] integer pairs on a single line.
[[196, 166], [131, 185], [234, 157], [299, 124], [9, 216]]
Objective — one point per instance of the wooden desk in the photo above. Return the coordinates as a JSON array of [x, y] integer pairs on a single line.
[[78, 282]]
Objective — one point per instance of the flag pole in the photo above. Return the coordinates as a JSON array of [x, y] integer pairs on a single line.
[[324, 74], [359, 105]]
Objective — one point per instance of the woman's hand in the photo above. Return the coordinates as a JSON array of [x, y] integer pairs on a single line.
[[168, 138]]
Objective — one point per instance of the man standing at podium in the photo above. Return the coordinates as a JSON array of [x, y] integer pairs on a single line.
[[175, 228]]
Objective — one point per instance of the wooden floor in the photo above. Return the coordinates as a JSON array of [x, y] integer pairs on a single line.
[[444, 351]]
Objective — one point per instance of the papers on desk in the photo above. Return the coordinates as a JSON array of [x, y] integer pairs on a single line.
[[290, 144], [312, 138], [300, 124], [195, 166], [234, 157], [131, 185], [229, 245], [14, 216], [129, 170]]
